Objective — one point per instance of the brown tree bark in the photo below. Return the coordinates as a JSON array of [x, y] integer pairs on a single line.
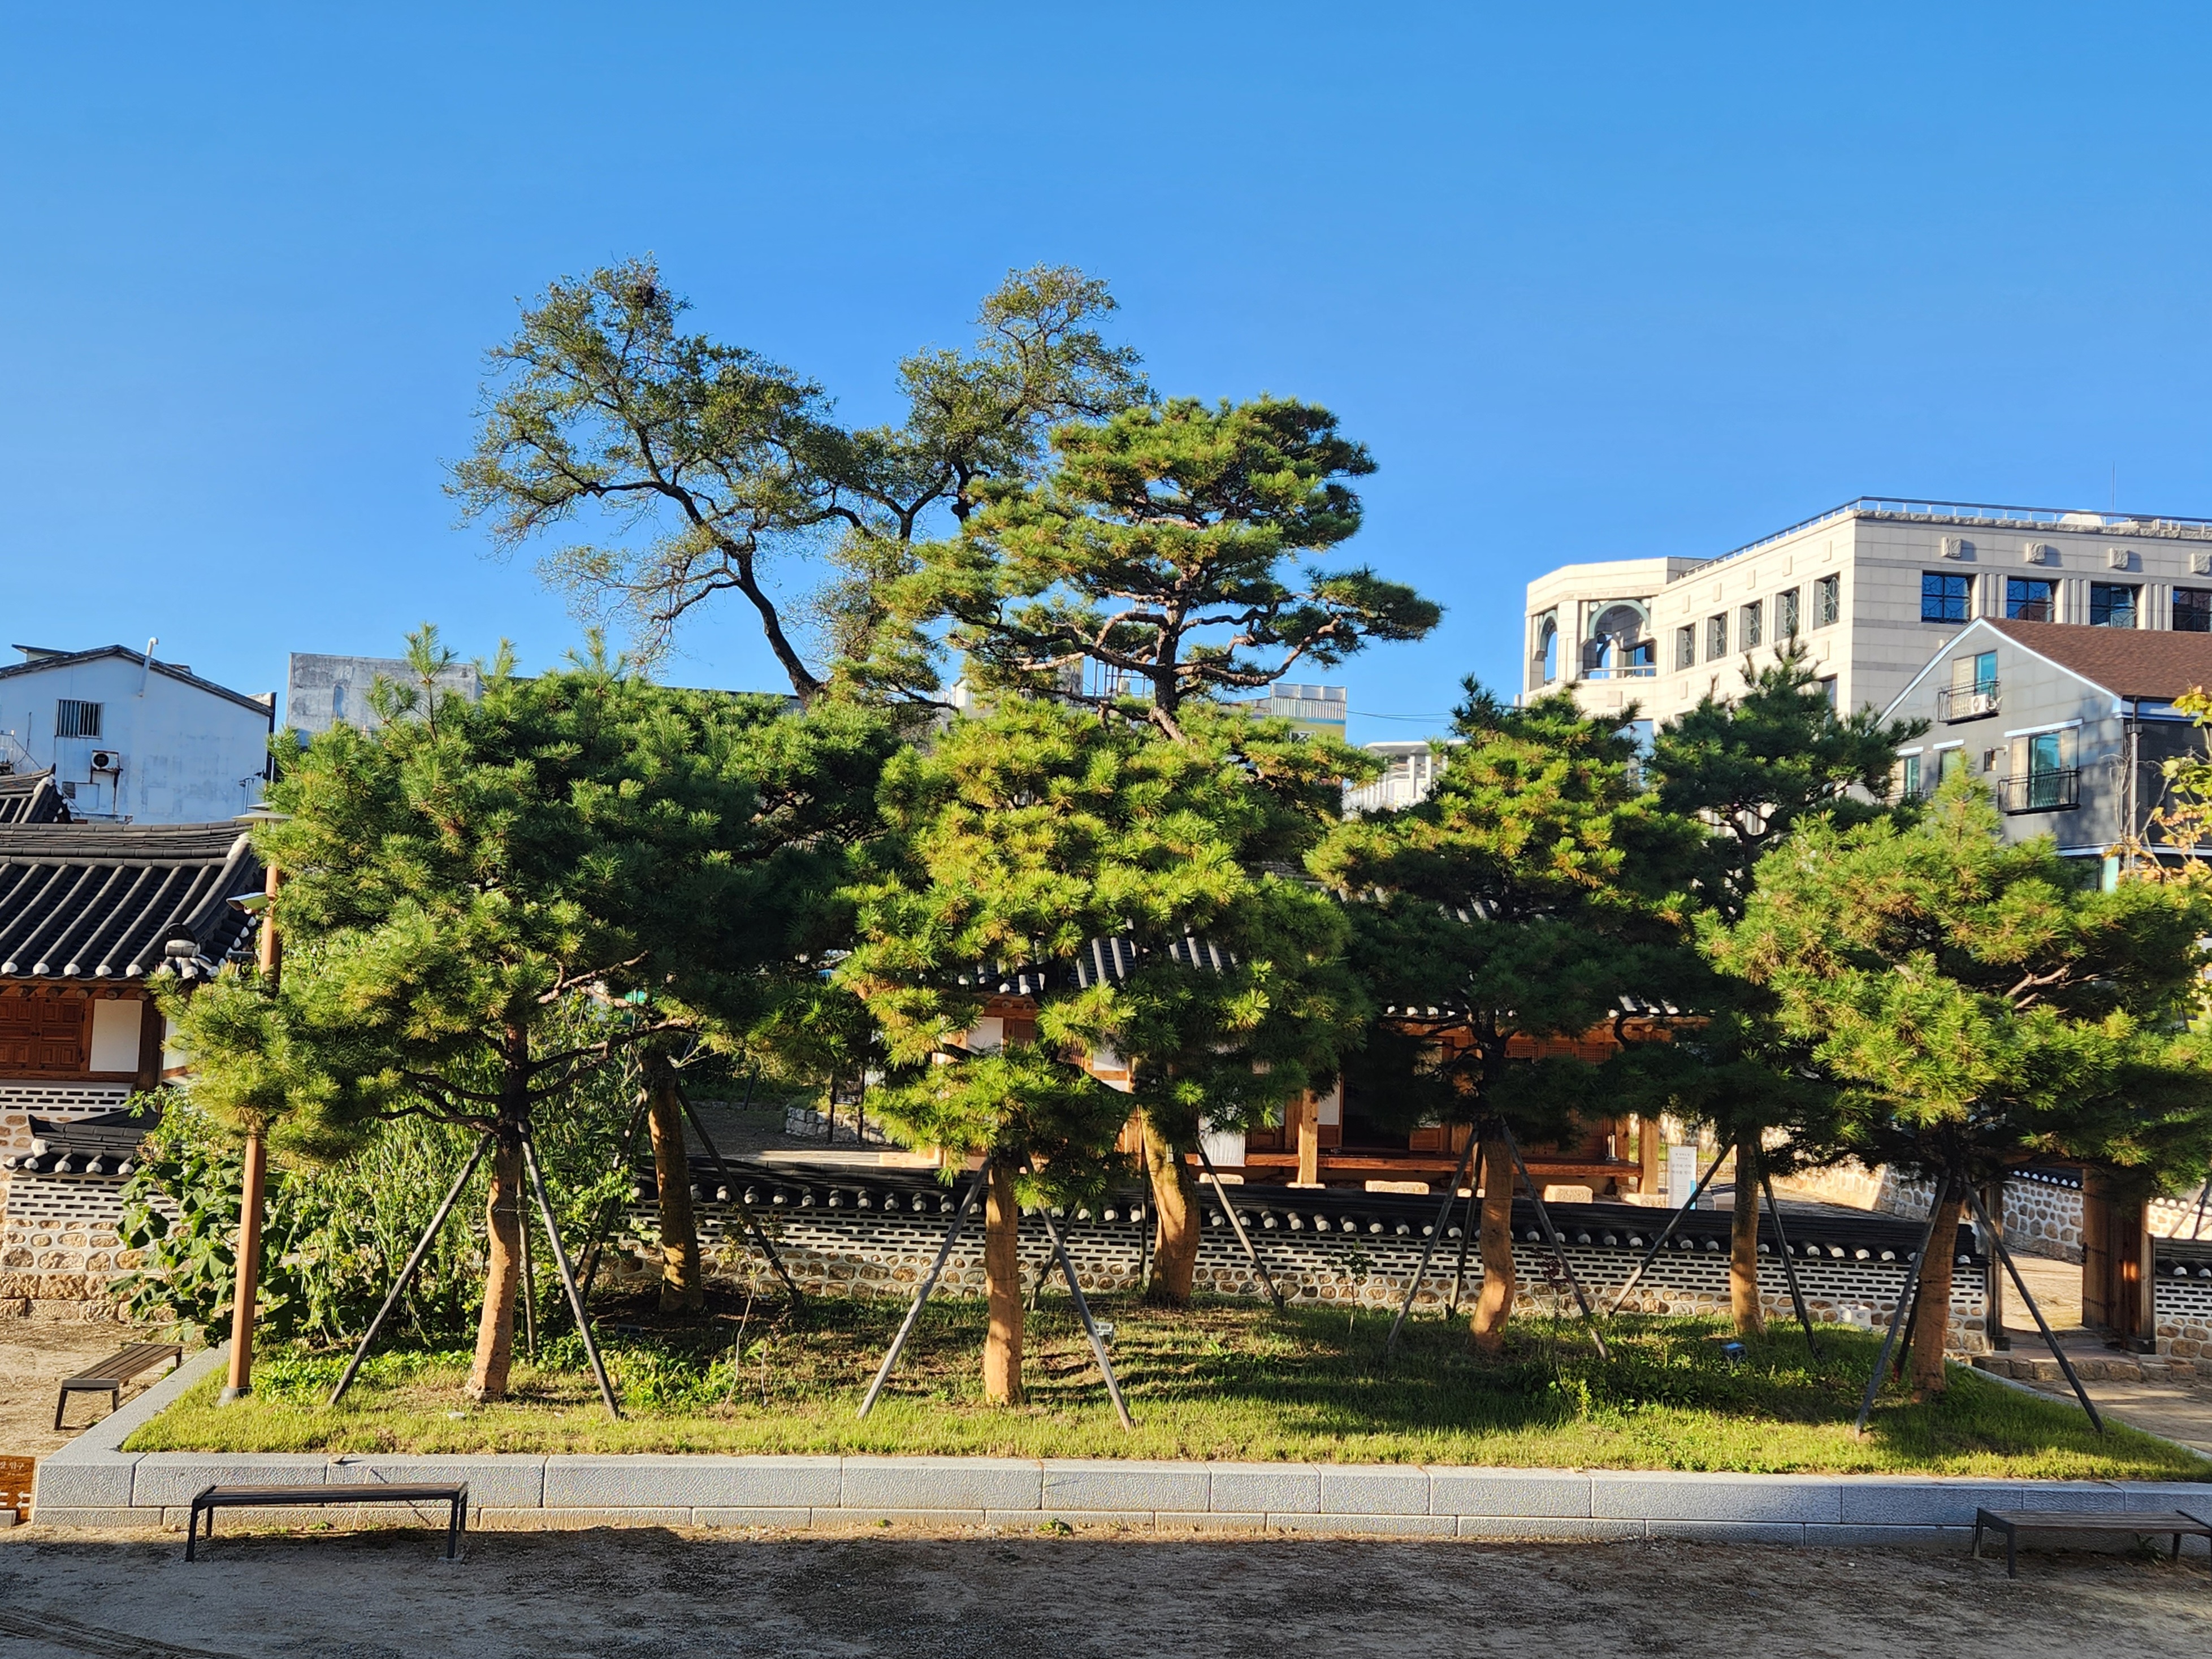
[[1930, 1332], [1174, 1204], [682, 1281], [1494, 1305], [1002, 1276], [1743, 1242], [503, 1221]]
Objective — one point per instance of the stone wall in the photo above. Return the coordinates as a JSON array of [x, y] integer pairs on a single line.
[[2043, 1215], [58, 1248], [860, 1253]]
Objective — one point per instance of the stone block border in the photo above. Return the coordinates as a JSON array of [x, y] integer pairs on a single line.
[[92, 1482]]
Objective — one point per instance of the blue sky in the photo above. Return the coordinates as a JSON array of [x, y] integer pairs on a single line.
[[1593, 282]]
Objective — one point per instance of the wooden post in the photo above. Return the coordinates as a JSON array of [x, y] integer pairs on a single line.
[[1651, 1154], [239, 1380], [1308, 1141]]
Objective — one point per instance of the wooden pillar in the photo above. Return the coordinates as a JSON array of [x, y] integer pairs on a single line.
[[239, 1382], [1309, 1111], [1651, 1154]]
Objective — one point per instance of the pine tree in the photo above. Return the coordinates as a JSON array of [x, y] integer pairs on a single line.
[[471, 882], [1982, 1003], [1538, 884]]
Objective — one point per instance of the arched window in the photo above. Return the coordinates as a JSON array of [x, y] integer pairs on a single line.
[[1548, 652], [337, 700]]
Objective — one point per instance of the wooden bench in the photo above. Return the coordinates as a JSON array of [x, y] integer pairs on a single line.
[[209, 1499], [2145, 1523], [114, 1373]]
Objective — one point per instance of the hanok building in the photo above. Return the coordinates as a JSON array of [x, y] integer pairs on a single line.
[[89, 914], [2069, 727]]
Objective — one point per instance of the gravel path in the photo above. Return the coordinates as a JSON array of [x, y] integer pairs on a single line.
[[657, 1594]]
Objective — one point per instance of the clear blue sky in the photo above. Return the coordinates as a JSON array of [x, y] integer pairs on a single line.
[[1592, 282]]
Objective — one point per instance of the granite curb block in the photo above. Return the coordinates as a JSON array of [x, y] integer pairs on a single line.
[[92, 1482]]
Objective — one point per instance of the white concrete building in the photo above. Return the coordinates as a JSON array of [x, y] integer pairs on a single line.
[[1412, 773], [1873, 588], [133, 739], [320, 691]]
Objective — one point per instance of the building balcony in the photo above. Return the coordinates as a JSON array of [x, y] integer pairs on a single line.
[[1966, 703], [2058, 790]]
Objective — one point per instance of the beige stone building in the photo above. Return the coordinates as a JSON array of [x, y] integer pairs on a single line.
[[1873, 588]]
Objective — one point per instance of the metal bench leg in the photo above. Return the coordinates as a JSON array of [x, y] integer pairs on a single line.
[[1977, 1538], [61, 1404], [191, 1532]]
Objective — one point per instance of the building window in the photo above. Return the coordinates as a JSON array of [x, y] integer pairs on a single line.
[[1715, 637], [1908, 778], [2111, 605], [1828, 601], [1943, 598], [2043, 774], [1828, 689], [73, 719], [1785, 614], [1949, 762], [1685, 646], [2192, 610], [1748, 628], [2028, 598]]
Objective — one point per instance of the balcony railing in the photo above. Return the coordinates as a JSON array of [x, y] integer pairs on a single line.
[[2057, 790], [1966, 703], [1980, 513]]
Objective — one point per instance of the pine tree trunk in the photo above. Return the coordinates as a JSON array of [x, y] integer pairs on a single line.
[[1743, 1242], [1175, 1202], [1933, 1327], [682, 1284], [503, 1223], [1494, 1305], [1002, 1275]]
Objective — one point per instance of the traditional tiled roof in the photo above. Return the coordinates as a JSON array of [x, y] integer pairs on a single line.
[[1100, 961], [31, 798], [103, 900], [1827, 1232], [2125, 661], [103, 1145]]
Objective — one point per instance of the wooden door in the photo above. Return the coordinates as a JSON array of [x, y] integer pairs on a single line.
[[44, 1034]]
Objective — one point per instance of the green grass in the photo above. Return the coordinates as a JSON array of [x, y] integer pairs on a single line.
[[1221, 1380]]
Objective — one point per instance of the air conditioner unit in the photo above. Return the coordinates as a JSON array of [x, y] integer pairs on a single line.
[[106, 760]]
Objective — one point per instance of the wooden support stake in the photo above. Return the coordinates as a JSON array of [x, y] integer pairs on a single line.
[[735, 1195], [1429, 1246], [1236, 1224], [929, 1284], [1559, 1249], [407, 1274], [1083, 1312], [567, 1278], [2041, 1324], [1789, 1267], [1666, 1233], [1466, 1229], [1908, 1294]]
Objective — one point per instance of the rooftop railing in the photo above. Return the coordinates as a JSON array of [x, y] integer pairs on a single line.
[[1978, 513]]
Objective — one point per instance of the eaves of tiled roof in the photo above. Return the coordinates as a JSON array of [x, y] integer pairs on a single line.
[[103, 901]]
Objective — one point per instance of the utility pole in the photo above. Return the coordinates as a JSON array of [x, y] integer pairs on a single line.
[[239, 1382]]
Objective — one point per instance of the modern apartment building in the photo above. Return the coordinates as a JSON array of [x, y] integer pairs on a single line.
[[1874, 588]]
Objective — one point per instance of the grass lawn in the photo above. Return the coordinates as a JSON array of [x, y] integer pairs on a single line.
[[1224, 1379]]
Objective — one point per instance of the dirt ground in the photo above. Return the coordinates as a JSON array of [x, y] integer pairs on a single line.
[[34, 1357], [658, 1594]]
